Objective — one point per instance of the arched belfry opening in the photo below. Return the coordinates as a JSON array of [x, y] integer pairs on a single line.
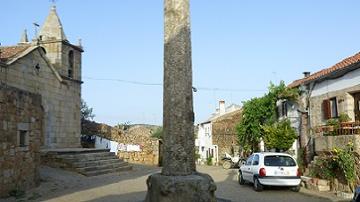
[[71, 64]]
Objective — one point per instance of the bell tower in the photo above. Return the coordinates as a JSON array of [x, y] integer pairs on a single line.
[[63, 55]]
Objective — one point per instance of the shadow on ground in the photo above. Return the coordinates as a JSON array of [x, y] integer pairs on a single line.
[[62, 185]]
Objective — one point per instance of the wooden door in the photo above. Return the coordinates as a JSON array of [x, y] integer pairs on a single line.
[[357, 106]]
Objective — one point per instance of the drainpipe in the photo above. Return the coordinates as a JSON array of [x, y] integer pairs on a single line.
[[309, 151]]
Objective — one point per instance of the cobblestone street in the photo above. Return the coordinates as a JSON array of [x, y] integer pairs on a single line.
[[63, 186]]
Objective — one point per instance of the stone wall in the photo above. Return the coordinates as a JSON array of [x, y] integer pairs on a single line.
[[20, 139], [131, 135], [140, 135], [224, 133], [60, 98], [345, 104], [324, 144]]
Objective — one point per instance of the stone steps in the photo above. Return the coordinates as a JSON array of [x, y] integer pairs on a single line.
[[106, 171], [89, 162], [82, 164]]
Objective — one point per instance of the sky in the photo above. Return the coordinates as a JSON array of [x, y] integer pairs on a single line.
[[238, 48]]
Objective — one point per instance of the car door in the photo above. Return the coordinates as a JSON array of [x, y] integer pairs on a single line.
[[255, 166], [246, 169]]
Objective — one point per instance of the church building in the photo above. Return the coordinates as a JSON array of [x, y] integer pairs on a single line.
[[49, 66]]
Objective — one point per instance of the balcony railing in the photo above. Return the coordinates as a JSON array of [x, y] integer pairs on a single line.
[[344, 128]]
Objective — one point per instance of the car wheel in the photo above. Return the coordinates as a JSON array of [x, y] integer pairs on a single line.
[[295, 189], [226, 165], [257, 185], [241, 179]]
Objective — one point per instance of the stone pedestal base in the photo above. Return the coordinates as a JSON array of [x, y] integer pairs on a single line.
[[196, 187]]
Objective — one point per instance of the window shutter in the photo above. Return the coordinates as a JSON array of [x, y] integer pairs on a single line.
[[326, 109]]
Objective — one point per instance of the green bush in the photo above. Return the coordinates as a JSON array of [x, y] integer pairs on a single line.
[[209, 161], [344, 118], [340, 161], [158, 133], [279, 136]]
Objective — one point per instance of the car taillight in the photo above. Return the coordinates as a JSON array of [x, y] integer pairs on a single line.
[[298, 173], [262, 172]]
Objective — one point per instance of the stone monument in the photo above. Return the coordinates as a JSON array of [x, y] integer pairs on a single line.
[[178, 180]]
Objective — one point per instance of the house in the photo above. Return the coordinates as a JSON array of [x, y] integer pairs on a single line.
[[218, 134], [50, 66], [326, 95], [204, 142]]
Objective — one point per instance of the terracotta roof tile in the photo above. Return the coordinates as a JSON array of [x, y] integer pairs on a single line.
[[341, 65], [9, 52]]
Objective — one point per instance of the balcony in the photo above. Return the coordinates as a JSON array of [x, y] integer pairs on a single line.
[[328, 137]]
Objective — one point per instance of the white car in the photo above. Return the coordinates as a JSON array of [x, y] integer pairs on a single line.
[[270, 169]]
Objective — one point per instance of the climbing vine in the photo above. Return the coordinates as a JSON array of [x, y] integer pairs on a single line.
[[259, 114]]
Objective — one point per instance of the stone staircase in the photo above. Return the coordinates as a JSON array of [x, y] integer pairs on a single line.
[[89, 162]]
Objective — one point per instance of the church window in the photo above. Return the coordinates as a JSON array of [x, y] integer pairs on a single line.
[[71, 64], [23, 138]]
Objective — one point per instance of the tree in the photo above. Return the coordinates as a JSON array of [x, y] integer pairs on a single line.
[[261, 111], [86, 112], [255, 113], [158, 133], [279, 136]]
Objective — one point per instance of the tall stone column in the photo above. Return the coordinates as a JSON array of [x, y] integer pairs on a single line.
[[178, 180], [178, 119]]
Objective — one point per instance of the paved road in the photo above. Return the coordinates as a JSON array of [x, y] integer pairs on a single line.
[[228, 188], [63, 186]]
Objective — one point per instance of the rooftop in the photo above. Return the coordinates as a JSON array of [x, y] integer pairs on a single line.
[[338, 66], [10, 52]]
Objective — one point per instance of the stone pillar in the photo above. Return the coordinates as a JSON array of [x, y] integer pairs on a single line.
[[178, 180], [178, 117]]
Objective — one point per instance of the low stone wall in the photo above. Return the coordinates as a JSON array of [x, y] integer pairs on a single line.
[[148, 155], [132, 135], [20, 139], [140, 135]]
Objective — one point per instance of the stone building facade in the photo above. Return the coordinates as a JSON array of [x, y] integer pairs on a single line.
[[218, 134], [331, 92], [21, 117], [224, 133], [50, 66], [326, 95]]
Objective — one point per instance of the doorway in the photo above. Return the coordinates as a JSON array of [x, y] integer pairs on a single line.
[[357, 106]]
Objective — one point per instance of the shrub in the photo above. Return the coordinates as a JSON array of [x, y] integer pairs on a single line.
[[341, 161], [158, 133], [209, 161], [279, 136]]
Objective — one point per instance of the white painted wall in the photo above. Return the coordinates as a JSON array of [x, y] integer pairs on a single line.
[[103, 143], [348, 80], [294, 117], [204, 139]]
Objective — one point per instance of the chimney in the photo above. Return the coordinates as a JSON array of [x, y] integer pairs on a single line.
[[306, 74], [222, 107]]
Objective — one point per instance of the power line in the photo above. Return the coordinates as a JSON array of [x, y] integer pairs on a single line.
[[160, 84], [125, 81]]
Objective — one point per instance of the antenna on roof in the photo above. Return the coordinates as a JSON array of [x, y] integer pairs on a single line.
[[36, 29]]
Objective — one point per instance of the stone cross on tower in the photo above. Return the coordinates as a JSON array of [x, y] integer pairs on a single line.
[[178, 180]]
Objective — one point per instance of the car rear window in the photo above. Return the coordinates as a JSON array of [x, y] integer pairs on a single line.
[[278, 160]]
